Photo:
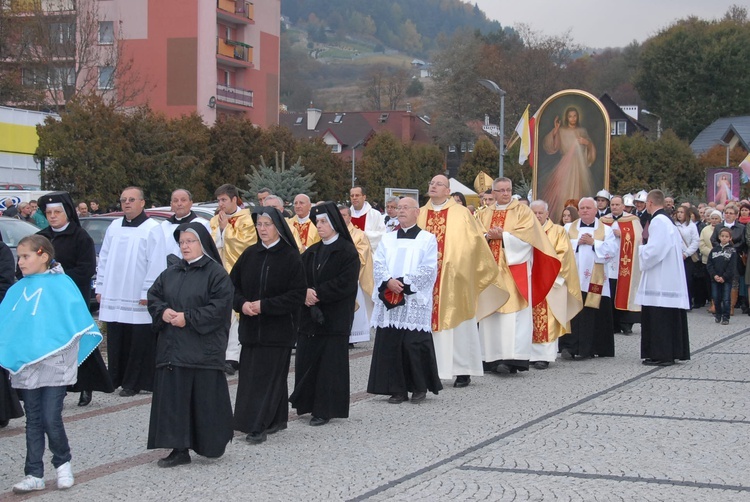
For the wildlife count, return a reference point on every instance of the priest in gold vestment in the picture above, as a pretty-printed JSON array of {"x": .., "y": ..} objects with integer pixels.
[
  {"x": 528, "y": 266},
  {"x": 466, "y": 288},
  {"x": 552, "y": 317},
  {"x": 301, "y": 222},
  {"x": 233, "y": 231}
]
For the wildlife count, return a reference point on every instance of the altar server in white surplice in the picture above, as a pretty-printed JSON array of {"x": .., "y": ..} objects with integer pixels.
[{"x": 131, "y": 258}]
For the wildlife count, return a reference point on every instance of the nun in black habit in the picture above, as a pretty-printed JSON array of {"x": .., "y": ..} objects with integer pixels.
[
  {"x": 269, "y": 292},
  {"x": 75, "y": 251},
  {"x": 191, "y": 303},
  {"x": 322, "y": 360}
]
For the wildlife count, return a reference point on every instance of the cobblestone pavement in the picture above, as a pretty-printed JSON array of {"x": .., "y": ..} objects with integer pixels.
[{"x": 602, "y": 429}]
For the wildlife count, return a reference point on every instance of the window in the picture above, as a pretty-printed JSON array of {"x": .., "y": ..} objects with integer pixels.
[
  {"x": 452, "y": 149},
  {"x": 618, "y": 128},
  {"x": 338, "y": 118},
  {"x": 299, "y": 121},
  {"x": 106, "y": 32},
  {"x": 336, "y": 148},
  {"x": 61, "y": 77},
  {"x": 106, "y": 77},
  {"x": 62, "y": 33},
  {"x": 30, "y": 77},
  {"x": 463, "y": 147}
]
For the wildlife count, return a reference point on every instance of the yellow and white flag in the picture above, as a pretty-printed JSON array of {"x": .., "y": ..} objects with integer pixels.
[{"x": 522, "y": 129}]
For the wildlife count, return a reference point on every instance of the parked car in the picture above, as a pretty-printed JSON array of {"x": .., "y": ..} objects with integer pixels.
[{"x": 13, "y": 230}]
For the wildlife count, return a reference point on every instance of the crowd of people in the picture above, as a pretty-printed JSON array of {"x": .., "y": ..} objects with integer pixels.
[{"x": 450, "y": 292}]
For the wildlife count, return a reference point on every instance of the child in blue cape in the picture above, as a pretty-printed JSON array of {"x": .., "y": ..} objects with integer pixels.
[{"x": 47, "y": 332}]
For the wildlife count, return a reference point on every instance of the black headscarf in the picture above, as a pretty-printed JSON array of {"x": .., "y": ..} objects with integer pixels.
[
  {"x": 207, "y": 242},
  {"x": 278, "y": 221},
  {"x": 60, "y": 197},
  {"x": 334, "y": 218}
]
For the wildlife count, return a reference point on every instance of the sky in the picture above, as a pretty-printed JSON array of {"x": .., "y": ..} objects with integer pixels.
[{"x": 603, "y": 23}]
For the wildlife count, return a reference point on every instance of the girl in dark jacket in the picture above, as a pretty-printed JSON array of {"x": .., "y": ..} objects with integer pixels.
[
  {"x": 322, "y": 363},
  {"x": 269, "y": 291},
  {"x": 191, "y": 303}
]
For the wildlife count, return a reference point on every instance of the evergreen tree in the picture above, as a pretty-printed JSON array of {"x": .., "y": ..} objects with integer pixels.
[{"x": 286, "y": 183}]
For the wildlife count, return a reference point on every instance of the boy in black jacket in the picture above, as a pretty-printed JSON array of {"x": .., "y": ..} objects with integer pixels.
[{"x": 722, "y": 267}]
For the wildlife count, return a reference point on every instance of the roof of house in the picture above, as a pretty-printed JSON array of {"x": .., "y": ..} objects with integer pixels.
[
  {"x": 352, "y": 127},
  {"x": 616, "y": 113},
  {"x": 723, "y": 129}
]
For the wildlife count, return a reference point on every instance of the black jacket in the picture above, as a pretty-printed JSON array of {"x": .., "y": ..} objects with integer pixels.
[
  {"x": 738, "y": 235},
  {"x": 275, "y": 277},
  {"x": 333, "y": 272},
  {"x": 7, "y": 269},
  {"x": 203, "y": 291},
  {"x": 722, "y": 262},
  {"x": 75, "y": 251}
]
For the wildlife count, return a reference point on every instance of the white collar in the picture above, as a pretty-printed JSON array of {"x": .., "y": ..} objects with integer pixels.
[
  {"x": 331, "y": 240},
  {"x": 502, "y": 206},
  {"x": 365, "y": 209},
  {"x": 303, "y": 220},
  {"x": 62, "y": 228},
  {"x": 272, "y": 244},
  {"x": 195, "y": 259},
  {"x": 438, "y": 207}
]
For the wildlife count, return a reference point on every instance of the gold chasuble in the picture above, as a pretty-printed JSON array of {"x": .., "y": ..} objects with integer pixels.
[
  {"x": 520, "y": 222},
  {"x": 239, "y": 234},
  {"x": 308, "y": 233},
  {"x": 628, "y": 272},
  {"x": 552, "y": 316},
  {"x": 366, "y": 278},
  {"x": 467, "y": 282}
]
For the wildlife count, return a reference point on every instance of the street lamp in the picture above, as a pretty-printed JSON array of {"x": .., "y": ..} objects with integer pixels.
[
  {"x": 727, "y": 146},
  {"x": 494, "y": 88},
  {"x": 658, "y": 122},
  {"x": 359, "y": 143}
]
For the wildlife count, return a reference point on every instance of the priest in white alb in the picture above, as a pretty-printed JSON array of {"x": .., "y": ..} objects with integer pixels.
[
  {"x": 364, "y": 305},
  {"x": 365, "y": 217},
  {"x": 594, "y": 245}
]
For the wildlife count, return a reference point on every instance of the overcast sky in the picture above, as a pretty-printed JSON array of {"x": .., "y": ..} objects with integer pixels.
[{"x": 603, "y": 23}]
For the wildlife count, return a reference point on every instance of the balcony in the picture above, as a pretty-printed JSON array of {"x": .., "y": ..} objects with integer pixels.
[
  {"x": 235, "y": 11},
  {"x": 35, "y": 6},
  {"x": 233, "y": 53},
  {"x": 233, "y": 96}
]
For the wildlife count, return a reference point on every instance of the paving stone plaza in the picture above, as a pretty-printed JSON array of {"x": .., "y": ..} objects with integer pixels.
[{"x": 602, "y": 429}]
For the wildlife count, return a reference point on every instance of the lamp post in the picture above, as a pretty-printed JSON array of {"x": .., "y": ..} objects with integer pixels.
[
  {"x": 494, "y": 88},
  {"x": 359, "y": 143},
  {"x": 658, "y": 122},
  {"x": 727, "y": 146}
]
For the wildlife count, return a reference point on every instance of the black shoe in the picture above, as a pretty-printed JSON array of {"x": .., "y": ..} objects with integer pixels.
[
  {"x": 567, "y": 355},
  {"x": 724, "y": 322},
  {"x": 462, "y": 381},
  {"x": 657, "y": 362},
  {"x": 128, "y": 393},
  {"x": 717, "y": 320},
  {"x": 316, "y": 421},
  {"x": 502, "y": 369},
  {"x": 177, "y": 457},
  {"x": 398, "y": 398},
  {"x": 276, "y": 428},
  {"x": 541, "y": 365},
  {"x": 229, "y": 369},
  {"x": 85, "y": 399},
  {"x": 627, "y": 331},
  {"x": 256, "y": 437},
  {"x": 4, "y": 423},
  {"x": 418, "y": 397}
]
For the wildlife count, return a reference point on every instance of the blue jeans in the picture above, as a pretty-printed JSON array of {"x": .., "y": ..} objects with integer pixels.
[
  {"x": 721, "y": 294},
  {"x": 44, "y": 416}
]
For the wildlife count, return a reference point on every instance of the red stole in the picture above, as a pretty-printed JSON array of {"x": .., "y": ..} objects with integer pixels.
[{"x": 359, "y": 221}]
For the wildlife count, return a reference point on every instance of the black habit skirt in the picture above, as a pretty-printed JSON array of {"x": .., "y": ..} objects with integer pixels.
[
  {"x": 321, "y": 376},
  {"x": 10, "y": 406},
  {"x": 131, "y": 353},
  {"x": 262, "y": 392},
  {"x": 403, "y": 360},
  {"x": 664, "y": 334},
  {"x": 591, "y": 331},
  {"x": 93, "y": 375},
  {"x": 620, "y": 317},
  {"x": 191, "y": 409}
]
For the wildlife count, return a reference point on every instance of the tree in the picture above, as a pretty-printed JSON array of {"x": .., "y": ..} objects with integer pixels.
[
  {"x": 483, "y": 158},
  {"x": 235, "y": 143},
  {"x": 62, "y": 48},
  {"x": 331, "y": 173},
  {"x": 693, "y": 72},
  {"x": 384, "y": 87},
  {"x": 283, "y": 182},
  {"x": 383, "y": 165}
]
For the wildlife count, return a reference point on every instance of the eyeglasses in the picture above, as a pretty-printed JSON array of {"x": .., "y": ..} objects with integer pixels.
[
  {"x": 188, "y": 242},
  {"x": 504, "y": 190},
  {"x": 438, "y": 183},
  {"x": 125, "y": 200}
]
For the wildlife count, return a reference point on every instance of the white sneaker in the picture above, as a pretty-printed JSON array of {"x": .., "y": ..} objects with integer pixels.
[
  {"x": 64, "y": 476},
  {"x": 29, "y": 484}
]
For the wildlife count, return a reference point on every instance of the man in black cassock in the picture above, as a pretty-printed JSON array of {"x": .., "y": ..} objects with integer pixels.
[
  {"x": 321, "y": 378},
  {"x": 403, "y": 359}
]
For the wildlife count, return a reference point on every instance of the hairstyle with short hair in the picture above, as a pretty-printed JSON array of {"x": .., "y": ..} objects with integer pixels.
[
  {"x": 39, "y": 244},
  {"x": 725, "y": 230},
  {"x": 190, "y": 196},
  {"x": 364, "y": 192},
  {"x": 488, "y": 191},
  {"x": 94, "y": 201},
  {"x": 228, "y": 190},
  {"x": 392, "y": 198},
  {"x": 344, "y": 207},
  {"x": 617, "y": 197},
  {"x": 140, "y": 191},
  {"x": 540, "y": 202},
  {"x": 656, "y": 197},
  {"x": 33, "y": 201},
  {"x": 502, "y": 179},
  {"x": 272, "y": 198},
  {"x": 265, "y": 190},
  {"x": 586, "y": 198}
]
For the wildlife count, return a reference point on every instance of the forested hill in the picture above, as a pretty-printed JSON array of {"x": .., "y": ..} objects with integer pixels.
[{"x": 409, "y": 25}]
